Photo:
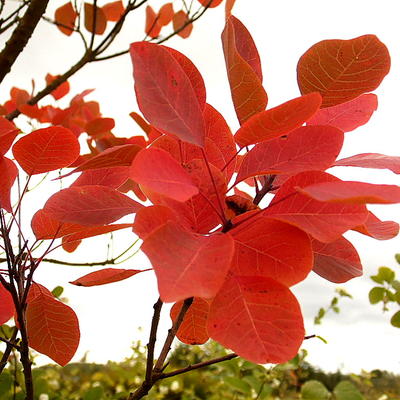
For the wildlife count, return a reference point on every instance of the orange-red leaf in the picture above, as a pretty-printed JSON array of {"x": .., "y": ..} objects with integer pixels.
[
  {"x": 113, "y": 177},
  {"x": 6, "y": 305},
  {"x": 279, "y": 120},
  {"x": 228, "y": 8},
  {"x": 371, "y": 160},
  {"x": 53, "y": 328},
  {"x": 65, "y": 17},
  {"x": 8, "y": 132},
  {"x": 273, "y": 249},
  {"x": 244, "y": 70},
  {"x": 153, "y": 27},
  {"x": 210, "y": 3},
  {"x": 93, "y": 231},
  {"x": 325, "y": 222},
  {"x": 380, "y": 230},
  {"x": 95, "y": 19},
  {"x": 306, "y": 148},
  {"x": 98, "y": 126},
  {"x": 61, "y": 90},
  {"x": 90, "y": 205},
  {"x": 114, "y": 10},
  {"x": 157, "y": 170},
  {"x": 188, "y": 264},
  {"x": 165, "y": 14},
  {"x": 341, "y": 70},
  {"x": 166, "y": 93},
  {"x": 337, "y": 261},
  {"x": 353, "y": 192},
  {"x": 46, "y": 149},
  {"x": 70, "y": 247},
  {"x": 179, "y": 20},
  {"x": 258, "y": 318},
  {"x": 104, "y": 276},
  {"x": 347, "y": 116},
  {"x": 193, "y": 329},
  {"x": 8, "y": 174}
]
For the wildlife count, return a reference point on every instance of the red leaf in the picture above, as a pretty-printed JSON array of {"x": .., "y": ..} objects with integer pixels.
[
  {"x": 112, "y": 177},
  {"x": 244, "y": 70},
  {"x": 70, "y": 247},
  {"x": 371, "y": 160},
  {"x": 8, "y": 132},
  {"x": 153, "y": 28},
  {"x": 179, "y": 19},
  {"x": 46, "y": 150},
  {"x": 228, "y": 8},
  {"x": 165, "y": 93},
  {"x": 200, "y": 268},
  {"x": 113, "y": 11},
  {"x": 6, "y": 305},
  {"x": 279, "y": 120},
  {"x": 347, "y": 116},
  {"x": 258, "y": 318},
  {"x": 341, "y": 70},
  {"x": 104, "y": 276},
  {"x": 326, "y": 222},
  {"x": 94, "y": 25},
  {"x": 210, "y": 3},
  {"x": 141, "y": 122},
  {"x": 93, "y": 231},
  {"x": 61, "y": 90},
  {"x": 99, "y": 126},
  {"x": 273, "y": 249},
  {"x": 307, "y": 148},
  {"x": 337, "y": 261},
  {"x": 380, "y": 230},
  {"x": 193, "y": 329},
  {"x": 8, "y": 174},
  {"x": 65, "y": 17},
  {"x": 165, "y": 14},
  {"x": 90, "y": 205},
  {"x": 158, "y": 171},
  {"x": 353, "y": 192}
]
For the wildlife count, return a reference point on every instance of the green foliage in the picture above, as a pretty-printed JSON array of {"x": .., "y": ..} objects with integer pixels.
[
  {"x": 333, "y": 306},
  {"x": 345, "y": 390},
  {"x": 314, "y": 390}
]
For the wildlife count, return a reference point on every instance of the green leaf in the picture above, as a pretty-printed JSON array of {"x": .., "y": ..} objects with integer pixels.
[
  {"x": 94, "y": 393},
  {"x": 376, "y": 294},
  {"x": 395, "y": 320},
  {"x": 314, "y": 390},
  {"x": 336, "y": 309},
  {"x": 237, "y": 384},
  {"x": 396, "y": 285},
  {"x": 343, "y": 293},
  {"x": 334, "y": 301},
  {"x": 397, "y": 257},
  {"x": 386, "y": 274},
  {"x": 376, "y": 279},
  {"x": 397, "y": 296},
  {"x": 6, "y": 381},
  {"x": 322, "y": 339},
  {"x": 345, "y": 390},
  {"x": 57, "y": 291}
]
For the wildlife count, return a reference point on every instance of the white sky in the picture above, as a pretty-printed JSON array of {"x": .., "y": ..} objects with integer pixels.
[{"x": 360, "y": 337}]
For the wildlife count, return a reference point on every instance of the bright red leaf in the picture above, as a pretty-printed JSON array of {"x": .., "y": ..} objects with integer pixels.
[
  {"x": 306, "y": 148},
  {"x": 200, "y": 268},
  {"x": 166, "y": 96},
  {"x": 273, "y": 249},
  {"x": 95, "y": 19},
  {"x": 157, "y": 170},
  {"x": 90, "y": 205},
  {"x": 104, "y": 276},
  {"x": 65, "y": 17},
  {"x": 94, "y": 231},
  {"x": 8, "y": 174},
  {"x": 193, "y": 329},
  {"x": 114, "y": 10},
  {"x": 347, "y": 116},
  {"x": 53, "y": 328},
  {"x": 165, "y": 14},
  {"x": 278, "y": 121},
  {"x": 112, "y": 177},
  {"x": 337, "y": 261},
  {"x": 258, "y": 318},
  {"x": 380, "y": 230},
  {"x": 244, "y": 70},
  {"x": 342, "y": 70},
  {"x": 152, "y": 28},
  {"x": 353, "y": 192},
  {"x": 324, "y": 221},
  {"x": 8, "y": 132},
  {"x": 61, "y": 90},
  {"x": 99, "y": 126},
  {"x": 179, "y": 20},
  {"x": 46, "y": 150},
  {"x": 371, "y": 160},
  {"x": 6, "y": 305}
]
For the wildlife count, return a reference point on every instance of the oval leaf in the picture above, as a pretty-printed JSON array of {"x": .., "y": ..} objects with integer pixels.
[
  {"x": 180, "y": 24},
  {"x": 153, "y": 27},
  {"x": 371, "y": 160},
  {"x": 113, "y": 11},
  {"x": 65, "y": 17},
  {"x": 95, "y": 19},
  {"x": 8, "y": 132},
  {"x": 380, "y": 230},
  {"x": 8, "y": 174}
]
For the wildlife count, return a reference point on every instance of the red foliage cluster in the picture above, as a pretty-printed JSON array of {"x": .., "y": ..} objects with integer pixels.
[{"x": 235, "y": 254}]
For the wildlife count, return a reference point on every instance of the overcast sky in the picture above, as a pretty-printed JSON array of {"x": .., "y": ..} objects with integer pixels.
[{"x": 360, "y": 337}]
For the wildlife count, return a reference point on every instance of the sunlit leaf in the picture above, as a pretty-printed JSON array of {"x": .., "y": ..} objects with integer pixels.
[
  {"x": 152, "y": 28},
  {"x": 113, "y": 177},
  {"x": 61, "y": 90},
  {"x": 372, "y": 160},
  {"x": 99, "y": 126},
  {"x": 113, "y": 11},
  {"x": 65, "y": 17},
  {"x": 8, "y": 174},
  {"x": 380, "y": 230},
  {"x": 8, "y": 132},
  {"x": 165, "y": 14},
  {"x": 179, "y": 20},
  {"x": 6, "y": 305}
]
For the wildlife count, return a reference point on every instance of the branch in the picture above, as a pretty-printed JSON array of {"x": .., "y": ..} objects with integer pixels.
[
  {"x": 21, "y": 35},
  {"x": 7, "y": 351}
]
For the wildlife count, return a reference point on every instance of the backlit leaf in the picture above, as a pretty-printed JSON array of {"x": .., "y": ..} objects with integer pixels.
[
  {"x": 278, "y": 121},
  {"x": 353, "y": 192},
  {"x": 104, "y": 276},
  {"x": 244, "y": 70},
  {"x": 179, "y": 20},
  {"x": 165, "y": 14},
  {"x": 324, "y": 221},
  {"x": 90, "y": 205},
  {"x": 8, "y": 132},
  {"x": 200, "y": 268},
  {"x": 95, "y": 19},
  {"x": 380, "y": 230},
  {"x": 372, "y": 160},
  {"x": 165, "y": 93},
  {"x": 8, "y": 174},
  {"x": 65, "y": 17},
  {"x": 347, "y": 116},
  {"x": 61, "y": 91},
  {"x": 337, "y": 261},
  {"x": 258, "y": 318},
  {"x": 306, "y": 148},
  {"x": 46, "y": 150},
  {"x": 113, "y": 177},
  {"x": 6, "y": 305},
  {"x": 99, "y": 126},
  {"x": 152, "y": 28},
  {"x": 70, "y": 247},
  {"x": 342, "y": 70},
  {"x": 157, "y": 170},
  {"x": 53, "y": 328},
  {"x": 193, "y": 329},
  {"x": 273, "y": 249},
  {"x": 114, "y": 10}
]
